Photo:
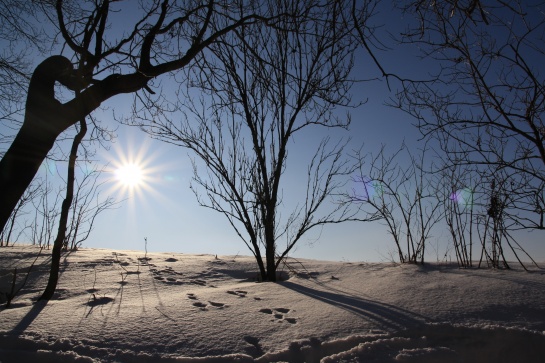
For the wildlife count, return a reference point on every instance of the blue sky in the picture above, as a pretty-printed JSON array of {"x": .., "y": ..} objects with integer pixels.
[{"x": 164, "y": 210}]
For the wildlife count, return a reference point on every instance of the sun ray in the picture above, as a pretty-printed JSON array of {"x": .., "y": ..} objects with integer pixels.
[{"x": 139, "y": 174}]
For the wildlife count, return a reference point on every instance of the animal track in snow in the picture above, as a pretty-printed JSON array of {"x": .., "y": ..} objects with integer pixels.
[
  {"x": 203, "y": 306},
  {"x": 239, "y": 293},
  {"x": 200, "y": 305},
  {"x": 166, "y": 275},
  {"x": 198, "y": 282},
  {"x": 279, "y": 315},
  {"x": 217, "y": 304}
]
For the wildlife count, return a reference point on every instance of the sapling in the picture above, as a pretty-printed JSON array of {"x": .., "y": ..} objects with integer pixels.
[{"x": 13, "y": 292}]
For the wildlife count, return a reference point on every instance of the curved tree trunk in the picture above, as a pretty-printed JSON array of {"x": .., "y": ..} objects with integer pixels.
[
  {"x": 43, "y": 123},
  {"x": 46, "y": 118}
]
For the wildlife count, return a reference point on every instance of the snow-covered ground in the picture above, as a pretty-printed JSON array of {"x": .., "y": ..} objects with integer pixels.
[{"x": 115, "y": 306}]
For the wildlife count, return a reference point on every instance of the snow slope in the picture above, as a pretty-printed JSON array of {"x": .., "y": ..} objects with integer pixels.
[{"x": 117, "y": 306}]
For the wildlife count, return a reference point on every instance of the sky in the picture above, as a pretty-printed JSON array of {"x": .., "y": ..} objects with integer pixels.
[
  {"x": 165, "y": 211},
  {"x": 161, "y": 213}
]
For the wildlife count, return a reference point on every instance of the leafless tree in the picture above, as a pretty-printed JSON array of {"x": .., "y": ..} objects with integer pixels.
[
  {"x": 477, "y": 213},
  {"x": 87, "y": 205},
  {"x": 38, "y": 218},
  {"x": 164, "y": 37},
  {"x": 20, "y": 36},
  {"x": 396, "y": 190},
  {"x": 46, "y": 212},
  {"x": 485, "y": 105},
  {"x": 459, "y": 191},
  {"x": 64, "y": 215},
  {"x": 260, "y": 90}
]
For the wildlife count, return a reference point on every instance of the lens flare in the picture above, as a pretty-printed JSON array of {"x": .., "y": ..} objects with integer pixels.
[
  {"x": 463, "y": 197},
  {"x": 367, "y": 188}
]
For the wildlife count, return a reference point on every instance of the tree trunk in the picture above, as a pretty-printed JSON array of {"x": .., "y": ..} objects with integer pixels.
[
  {"x": 261, "y": 265},
  {"x": 19, "y": 166},
  {"x": 270, "y": 252},
  {"x": 63, "y": 221},
  {"x": 42, "y": 124},
  {"x": 271, "y": 264}
]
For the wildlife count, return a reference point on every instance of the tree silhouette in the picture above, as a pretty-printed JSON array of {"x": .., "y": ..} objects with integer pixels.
[
  {"x": 484, "y": 106},
  {"x": 166, "y": 37},
  {"x": 40, "y": 129},
  {"x": 266, "y": 87}
]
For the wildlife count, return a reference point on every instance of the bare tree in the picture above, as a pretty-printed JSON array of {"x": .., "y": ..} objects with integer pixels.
[
  {"x": 166, "y": 37},
  {"x": 485, "y": 105},
  {"x": 478, "y": 214},
  {"x": 20, "y": 37},
  {"x": 87, "y": 205},
  {"x": 402, "y": 197},
  {"x": 64, "y": 215},
  {"x": 46, "y": 212},
  {"x": 262, "y": 88},
  {"x": 458, "y": 189}
]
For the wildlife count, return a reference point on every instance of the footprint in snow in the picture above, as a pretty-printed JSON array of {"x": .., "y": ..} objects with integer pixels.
[
  {"x": 198, "y": 282},
  {"x": 279, "y": 315},
  {"x": 218, "y": 304},
  {"x": 166, "y": 275},
  {"x": 239, "y": 293},
  {"x": 200, "y": 305},
  {"x": 203, "y": 306}
]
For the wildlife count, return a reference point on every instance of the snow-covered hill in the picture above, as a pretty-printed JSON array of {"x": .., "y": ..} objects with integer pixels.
[{"x": 117, "y": 306}]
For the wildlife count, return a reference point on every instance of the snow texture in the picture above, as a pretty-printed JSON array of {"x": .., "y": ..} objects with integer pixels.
[{"x": 127, "y": 306}]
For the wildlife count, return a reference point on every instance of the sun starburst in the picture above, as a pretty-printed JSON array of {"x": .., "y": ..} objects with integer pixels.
[{"x": 130, "y": 175}]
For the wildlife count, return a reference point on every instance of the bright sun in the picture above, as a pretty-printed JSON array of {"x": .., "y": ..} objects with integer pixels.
[{"x": 129, "y": 175}]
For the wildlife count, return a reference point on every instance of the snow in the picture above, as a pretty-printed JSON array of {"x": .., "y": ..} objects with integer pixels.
[{"x": 117, "y": 306}]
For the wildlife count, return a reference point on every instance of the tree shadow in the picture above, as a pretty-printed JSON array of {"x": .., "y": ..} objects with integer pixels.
[
  {"x": 386, "y": 316},
  {"x": 29, "y": 317}
]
